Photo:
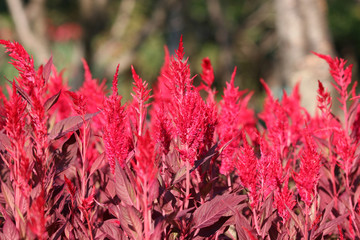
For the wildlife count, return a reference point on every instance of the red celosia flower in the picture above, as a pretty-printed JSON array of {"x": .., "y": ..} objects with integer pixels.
[
  {"x": 207, "y": 76},
  {"x": 161, "y": 129},
  {"x": 186, "y": 108},
  {"x": 70, "y": 186},
  {"x": 246, "y": 167},
  {"x": 115, "y": 135},
  {"x": 22, "y": 62},
  {"x": 307, "y": 178},
  {"x": 33, "y": 84},
  {"x": 141, "y": 96},
  {"x": 178, "y": 75},
  {"x": 190, "y": 125},
  {"x": 210, "y": 123},
  {"x": 324, "y": 101},
  {"x": 233, "y": 116},
  {"x": 94, "y": 92},
  {"x": 356, "y": 126},
  {"x": 283, "y": 199},
  {"x": 79, "y": 103},
  {"x": 270, "y": 169},
  {"x": 15, "y": 117},
  {"x": 36, "y": 218},
  {"x": 15, "y": 130},
  {"x": 345, "y": 150},
  {"x": 87, "y": 203},
  {"x": 284, "y": 120},
  {"x": 145, "y": 156},
  {"x": 341, "y": 76},
  {"x": 207, "y": 73}
]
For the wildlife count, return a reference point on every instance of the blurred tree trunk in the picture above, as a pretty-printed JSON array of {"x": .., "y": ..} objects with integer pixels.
[
  {"x": 30, "y": 26},
  {"x": 302, "y": 27},
  {"x": 107, "y": 53},
  {"x": 93, "y": 20}
]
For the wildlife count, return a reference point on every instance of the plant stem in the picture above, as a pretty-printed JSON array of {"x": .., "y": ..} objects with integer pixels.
[
  {"x": 89, "y": 226},
  {"x": 198, "y": 185},
  {"x": 229, "y": 182},
  {"x": 350, "y": 201},
  {"x": 145, "y": 212},
  {"x": 187, "y": 191},
  {"x": 256, "y": 221},
  {"x": 306, "y": 221},
  {"x": 332, "y": 169}
]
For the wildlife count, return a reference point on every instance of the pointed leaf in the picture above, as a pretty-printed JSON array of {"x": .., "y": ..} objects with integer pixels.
[
  {"x": 8, "y": 195},
  {"x": 211, "y": 153},
  {"x": 156, "y": 235},
  {"x": 243, "y": 228},
  {"x": 111, "y": 229},
  {"x": 59, "y": 232},
  {"x": 211, "y": 230},
  {"x": 180, "y": 175},
  {"x": 130, "y": 221},
  {"x": 97, "y": 163},
  {"x": 47, "y": 69},
  {"x": 327, "y": 212},
  {"x": 69, "y": 124},
  {"x": 23, "y": 94},
  {"x": 123, "y": 188},
  {"x": 182, "y": 213},
  {"x": 298, "y": 223},
  {"x": 210, "y": 212},
  {"x": 51, "y": 101},
  {"x": 328, "y": 227},
  {"x": 10, "y": 230}
]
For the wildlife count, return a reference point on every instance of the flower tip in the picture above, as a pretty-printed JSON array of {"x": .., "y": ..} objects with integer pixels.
[{"x": 233, "y": 76}]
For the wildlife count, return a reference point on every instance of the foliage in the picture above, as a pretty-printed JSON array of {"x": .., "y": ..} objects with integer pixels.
[{"x": 82, "y": 165}]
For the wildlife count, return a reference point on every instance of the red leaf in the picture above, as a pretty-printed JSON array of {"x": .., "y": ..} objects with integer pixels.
[
  {"x": 22, "y": 93},
  {"x": 298, "y": 223},
  {"x": 329, "y": 227},
  {"x": 130, "y": 221},
  {"x": 10, "y": 230},
  {"x": 97, "y": 163},
  {"x": 69, "y": 124},
  {"x": 51, "y": 101},
  {"x": 47, "y": 69},
  {"x": 8, "y": 195},
  {"x": 210, "y": 212},
  {"x": 123, "y": 188},
  {"x": 111, "y": 229},
  {"x": 157, "y": 231}
]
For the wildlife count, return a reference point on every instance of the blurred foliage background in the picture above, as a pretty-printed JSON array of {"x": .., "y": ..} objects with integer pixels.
[{"x": 248, "y": 34}]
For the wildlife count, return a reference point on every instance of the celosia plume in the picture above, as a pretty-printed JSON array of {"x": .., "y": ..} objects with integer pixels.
[
  {"x": 307, "y": 178},
  {"x": 141, "y": 96},
  {"x": 246, "y": 167},
  {"x": 115, "y": 132},
  {"x": 161, "y": 129},
  {"x": 146, "y": 159},
  {"x": 233, "y": 117},
  {"x": 341, "y": 75}
]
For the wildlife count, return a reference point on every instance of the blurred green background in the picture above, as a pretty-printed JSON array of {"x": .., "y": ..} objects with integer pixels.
[{"x": 240, "y": 33}]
